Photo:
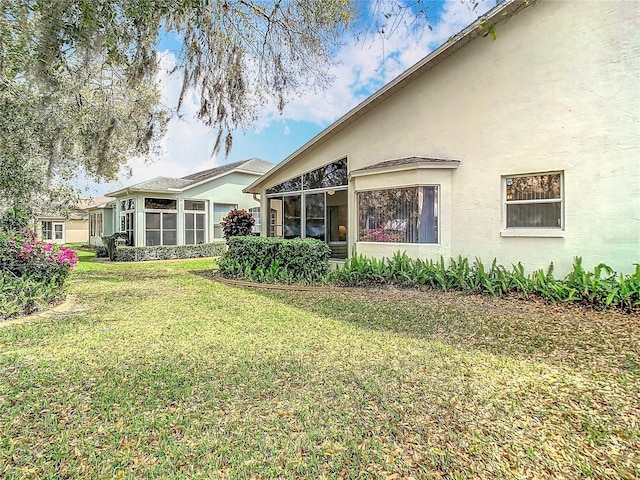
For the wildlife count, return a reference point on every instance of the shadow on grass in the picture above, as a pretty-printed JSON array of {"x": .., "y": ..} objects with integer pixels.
[{"x": 527, "y": 329}]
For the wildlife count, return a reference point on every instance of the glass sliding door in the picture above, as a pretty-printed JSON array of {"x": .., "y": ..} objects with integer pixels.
[
  {"x": 220, "y": 210},
  {"x": 311, "y": 205},
  {"x": 275, "y": 217},
  {"x": 292, "y": 210},
  {"x": 315, "y": 216},
  {"x": 337, "y": 221}
]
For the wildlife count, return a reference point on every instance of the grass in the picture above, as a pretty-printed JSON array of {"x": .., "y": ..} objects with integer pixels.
[{"x": 166, "y": 374}]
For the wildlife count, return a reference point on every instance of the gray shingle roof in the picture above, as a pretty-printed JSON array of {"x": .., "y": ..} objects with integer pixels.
[
  {"x": 253, "y": 165},
  {"x": 400, "y": 162},
  {"x": 160, "y": 184}
]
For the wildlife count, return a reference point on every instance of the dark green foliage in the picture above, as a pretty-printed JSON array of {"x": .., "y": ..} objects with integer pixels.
[
  {"x": 24, "y": 294},
  {"x": 276, "y": 260},
  {"x": 602, "y": 287},
  {"x": 168, "y": 252},
  {"x": 237, "y": 223},
  {"x": 15, "y": 220}
]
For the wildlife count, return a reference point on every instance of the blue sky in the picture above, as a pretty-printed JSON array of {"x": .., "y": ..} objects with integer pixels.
[{"x": 361, "y": 69}]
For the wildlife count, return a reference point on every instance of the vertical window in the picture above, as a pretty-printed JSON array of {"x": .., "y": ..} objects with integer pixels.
[
  {"x": 314, "y": 216},
  {"x": 47, "y": 231},
  {"x": 194, "y": 222},
  {"x": 275, "y": 217},
  {"x": 127, "y": 219},
  {"x": 399, "y": 215},
  {"x": 534, "y": 201},
  {"x": 161, "y": 221},
  {"x": 292, "y": 208},
  {"x": 58, "y": 231},
  {"x": 255, "y": 213},
  {"x": 95, "y": 224},
  {"x": 220, "y": 210}
]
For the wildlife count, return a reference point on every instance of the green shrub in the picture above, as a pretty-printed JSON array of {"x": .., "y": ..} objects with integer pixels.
[
  {"x": 276, "y": 259},
  {"x": 102, "y": 251},
  {"x": 168, "y": 252},
  {"x": 33, "y": 273}
]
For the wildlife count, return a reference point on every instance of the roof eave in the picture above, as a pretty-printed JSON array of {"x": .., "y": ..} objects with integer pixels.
[{"x": 449, "y": 165}]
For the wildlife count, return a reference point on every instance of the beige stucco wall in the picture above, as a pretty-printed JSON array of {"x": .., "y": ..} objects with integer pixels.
[
  {"x": 76, "y": 231},
  {"x": 557, "y": 91}
]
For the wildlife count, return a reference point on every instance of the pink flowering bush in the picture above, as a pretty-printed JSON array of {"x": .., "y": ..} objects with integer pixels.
[
  {"x": 382, "y": 234},
  {"x": 237, "y": 223},
  {"x": 33, "y": 273}
]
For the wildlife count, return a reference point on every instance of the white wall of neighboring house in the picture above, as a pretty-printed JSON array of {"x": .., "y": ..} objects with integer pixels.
[{"x": 558, "y": 91}]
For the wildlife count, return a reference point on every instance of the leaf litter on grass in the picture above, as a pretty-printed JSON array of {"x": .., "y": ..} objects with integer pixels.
[{"x": 186, "y": 378}]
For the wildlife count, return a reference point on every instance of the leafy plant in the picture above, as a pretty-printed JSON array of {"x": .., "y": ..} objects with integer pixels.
[
  {"x": 15, "y": 220},
  {"x": 33, "y": 273},
  {"x": 167, "y": 252},
  {"x": 296, "y": 260},
  {"x": 603, "y": 287},
  {"x": 237, "y": 223}
]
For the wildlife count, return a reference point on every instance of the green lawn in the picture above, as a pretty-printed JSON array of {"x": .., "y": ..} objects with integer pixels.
[{"x": 163, "y": 373}]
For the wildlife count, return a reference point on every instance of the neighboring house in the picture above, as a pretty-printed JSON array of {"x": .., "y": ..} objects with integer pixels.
[
  {"x": 525, "y": 149},
  {"x": 74, "y": 228},
  {"x": 101, "y": 223},
  {"x": 187, "y": 210}
]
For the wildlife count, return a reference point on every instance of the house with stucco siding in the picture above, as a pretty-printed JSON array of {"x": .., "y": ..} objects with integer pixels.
[
  {"x": 525, "y": 148},
  {"x": 54, "y": 227},
  {"x": 182, "y": 211}
]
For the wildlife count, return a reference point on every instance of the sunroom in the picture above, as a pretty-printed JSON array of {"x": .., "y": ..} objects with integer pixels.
[{"x": 312, "y": 205}]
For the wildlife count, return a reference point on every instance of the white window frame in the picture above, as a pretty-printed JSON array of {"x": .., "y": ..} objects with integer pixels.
[
  {"x": 438, "y": 212},
  {"x": 95, "y": 224},
  {"x": 255, "y": 213},
  {"x": 131, "y": 214},
  {"x": 161, "y": 211},
  {"x": 50, "y": 235},
  {"x": 186, "y": 212},
  {"x": 216, "y": 223},
  {"x": 546, "y": 231}
]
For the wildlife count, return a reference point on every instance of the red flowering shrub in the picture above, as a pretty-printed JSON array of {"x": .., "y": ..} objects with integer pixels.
[
  {"x": 33, "y": 273},
  {"x": 237, "y": 223}
]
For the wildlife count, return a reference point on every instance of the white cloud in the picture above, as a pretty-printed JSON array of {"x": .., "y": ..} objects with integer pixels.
[{"x": 365, "y": 67}]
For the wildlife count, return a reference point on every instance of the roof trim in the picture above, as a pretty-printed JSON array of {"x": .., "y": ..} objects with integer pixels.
[
  {"x": 177, "y": 190},
  {"x": 478, "y": 28},
  {"x": 409, "y": 163}
]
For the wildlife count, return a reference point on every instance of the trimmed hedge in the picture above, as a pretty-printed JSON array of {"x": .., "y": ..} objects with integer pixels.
[
  {"x": 276, "y": 259},
  {"x": 168, "y": 252}
]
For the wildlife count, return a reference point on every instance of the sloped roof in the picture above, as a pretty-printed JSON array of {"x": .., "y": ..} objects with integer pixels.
[
  {"x": 408, "y": 162},
  {"x": 255, "y": 166},
  {"x": 79, "y": 210},
  {"x": 478, "y": 28}
]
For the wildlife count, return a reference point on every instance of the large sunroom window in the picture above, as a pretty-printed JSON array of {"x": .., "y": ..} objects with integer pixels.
[
  {"x": 95, "y": 224},
  {"x": 399, "y": 215},
  {"x": 161, "y": 221},
  {"x": 195, "y": 222},
  {"x": 534, "y": 201}
]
